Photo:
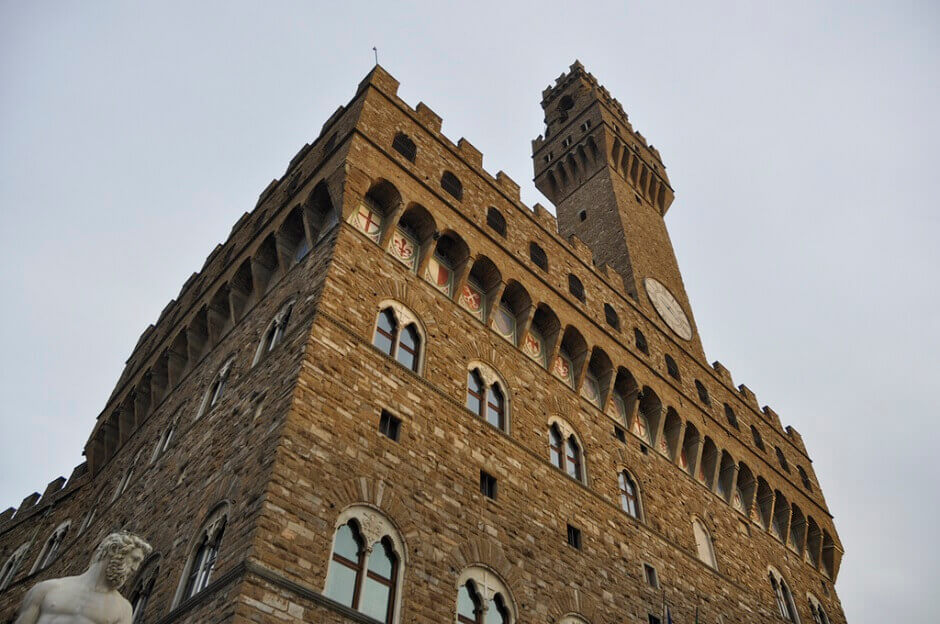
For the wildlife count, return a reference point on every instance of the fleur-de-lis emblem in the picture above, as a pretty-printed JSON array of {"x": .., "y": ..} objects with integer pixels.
[
  {"x": 471, "y": 298},
  {"x": 404, "y": 248}
]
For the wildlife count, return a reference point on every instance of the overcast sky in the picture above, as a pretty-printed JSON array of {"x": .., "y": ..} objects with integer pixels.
[{"x": 801, "y": 139}]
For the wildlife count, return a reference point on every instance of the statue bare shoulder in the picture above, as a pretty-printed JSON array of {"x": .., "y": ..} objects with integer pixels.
[{"x": 91, "y": 597}]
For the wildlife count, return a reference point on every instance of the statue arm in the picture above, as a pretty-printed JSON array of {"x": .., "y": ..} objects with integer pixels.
[{"x": 30, "y": 610}]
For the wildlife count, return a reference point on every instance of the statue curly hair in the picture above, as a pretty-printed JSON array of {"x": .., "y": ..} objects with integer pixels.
[{"x": 114, "y": 549}]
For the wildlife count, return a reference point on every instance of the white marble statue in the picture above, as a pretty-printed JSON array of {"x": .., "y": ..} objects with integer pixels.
[{"x": 91, "y": 597}]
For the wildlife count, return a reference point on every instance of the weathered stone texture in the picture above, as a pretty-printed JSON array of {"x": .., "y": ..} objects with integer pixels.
[{"x": 294, "y": 439}]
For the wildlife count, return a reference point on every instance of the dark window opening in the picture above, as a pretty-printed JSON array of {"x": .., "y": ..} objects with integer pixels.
[
  {"x": 758, "y": 441},
  {"x": 702, "y": 393},
  {"x": 538, "y": 257},
  {"x": 452, "y": 185},
  {"x": 582, "y": 215},
  {"x": 805, "y": 478},
  {"x": 650, "y": 572},
  {"x": 619, "y": 434},
  {"x": 496, "y": 220},
  {"x": 731, "y": 417},
  {"x": 574, "y": 537},
  {"x": 611, "y": 316},
  {"x": 641, "y": 343},
  {"x": 405, "y": 146},
  {"x": 487, "y": 485},
  {"x": 672, "y": 368},
  {"x": 575, "y": 287},
  {"x": 389, "y": 426}
]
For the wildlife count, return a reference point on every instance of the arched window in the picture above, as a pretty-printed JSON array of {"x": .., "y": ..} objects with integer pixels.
[
  {"x": 408, "y": 344},
  {"x": 819, "y": 615},
  {"x": 783, "y": 597},
  {"x": 758, "y": 441},
  {"x": 486, "y": 397},
  {"x": 216, "y": 390},
  {"x": 610, "y": 315},
  {"x": 128, "y": 477},
  {"x": 275, "y": 332},
  {"x": 495, "y": 407},
  {"x": 397, "y": 335},
  {"x": 672, "y": 368},
  {"x": 482, "y": 598},
  {"x": 731, "y": 417},
  {"x": 51, "y": 547},
  {"x": 142, "y": 588},
  {"x": 575, "y": 287},
  {"x": 555, "y": 442},
  {"x": 364, "y": 572},
  {"x": 90, "y": 514},
  {"x": 474, "y": 392},
  {"x": 405, "y": 146},
  {"x": 166, "y": 438},
  {"x": 782, "y": 459},
  {"x": 640, "y": 341},
  {"x": 452, "y": 185},
  {"x": 702, "y": 392},
  {"x": 573, "y": 459},
  {"x": 538, "y": 257},
  {"x": 203, "y": 559},
  {"x": 565, "y": 451},
  {"x": 629, "y": 496},
  {"x": 703, "y": 544},
  {"x": 386, "y": 332},
  {"x": 496, "y": 220},
  {"x": 11, "y": 565}
]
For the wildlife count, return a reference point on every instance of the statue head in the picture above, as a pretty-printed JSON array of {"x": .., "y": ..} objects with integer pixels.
[{"x": 122, "y": 553}]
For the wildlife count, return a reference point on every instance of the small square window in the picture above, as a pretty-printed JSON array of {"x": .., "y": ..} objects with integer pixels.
[
  {"x": 487, "y": 485},
  {"x": 619, "y": 434},
  {"x": 650, "y": 573},
  {"x": 654, "y": 619},
  {"x": 644, "y": 449},
  {"x": 389, "y": 426},
  {"x": 574, "y": 537}
]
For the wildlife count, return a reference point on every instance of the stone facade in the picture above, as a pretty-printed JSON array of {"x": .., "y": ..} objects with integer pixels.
[{"x": 210, "y": 420}]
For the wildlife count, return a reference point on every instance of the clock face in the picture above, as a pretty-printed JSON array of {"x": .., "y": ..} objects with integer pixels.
[{"x": 668, "y": 308}]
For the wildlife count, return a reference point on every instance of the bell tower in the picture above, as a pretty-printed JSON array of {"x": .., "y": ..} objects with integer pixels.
[{"x": 610, "y": 189}]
